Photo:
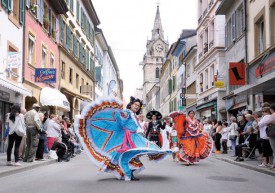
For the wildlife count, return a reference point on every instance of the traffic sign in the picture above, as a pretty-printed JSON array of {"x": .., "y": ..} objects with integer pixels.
[{"x": 190, "y": 96}]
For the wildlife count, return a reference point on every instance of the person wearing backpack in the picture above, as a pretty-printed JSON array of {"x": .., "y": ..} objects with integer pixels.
[{"x": 16, "y": 132}]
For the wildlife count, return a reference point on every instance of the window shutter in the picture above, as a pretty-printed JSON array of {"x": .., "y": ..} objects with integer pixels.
[
  {"x": 82, "y": 18},
  {"x": 50, "y": 21},
  {"x": 87, "y": 60},
  {"x": 9, "y": 5},
  {"x": 91, "y": 35},
  {"x": 75, "y": 46},
  {"x": 87, "y": 26},
  {"x": 170, "y": 86},
  {"x": 56, "y": 30},
  {"x": 233, "y": 22},
  {"x": 5, "y": 4},
  {"x": 226, "y": 43},
  {"x": 77, "y": 11},
  {"x": 72, "y": 5},
  {"x": 68, "y": 40},
  {"x": 61, "y": 31},
  {"x": 28, "y": 3},
  {"x": 80, "y": 52},
  {"x": 22, "y": 12},
  {"x": 40, "y": 11}
]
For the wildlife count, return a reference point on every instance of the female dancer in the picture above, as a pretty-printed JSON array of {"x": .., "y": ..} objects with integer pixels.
[
  {"x": 194, "y": 144},
  {"x": 111, "y": 139}
]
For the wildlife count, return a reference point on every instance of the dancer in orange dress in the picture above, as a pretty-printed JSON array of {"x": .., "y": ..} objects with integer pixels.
[{"x": 194, "y": 144}]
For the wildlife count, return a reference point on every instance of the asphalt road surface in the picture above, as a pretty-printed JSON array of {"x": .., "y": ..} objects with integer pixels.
[{"x": 80, "y": 176}]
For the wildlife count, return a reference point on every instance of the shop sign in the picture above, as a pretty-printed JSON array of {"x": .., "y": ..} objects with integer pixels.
[
  {"x": 45, "y": 75},
  {"x": 237, "y": 73},
  {"x": 219, "y": 81},
  {"x": 266, "y": 66},
  {"x": 5, "y": 96},
  {"x": 14, "y": 59},
  {"x": 240, "y": 99}
]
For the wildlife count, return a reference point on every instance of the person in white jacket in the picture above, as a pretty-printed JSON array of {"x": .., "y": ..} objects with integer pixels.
[{"x": 16, "y": 120}]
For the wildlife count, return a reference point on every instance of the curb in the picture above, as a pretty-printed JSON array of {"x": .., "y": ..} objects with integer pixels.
[
  {"x": 25, "y": 168},
  {"x": 247, "y": 166}
]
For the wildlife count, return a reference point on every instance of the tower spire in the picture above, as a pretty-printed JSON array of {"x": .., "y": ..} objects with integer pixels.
[{"x": 157, "y": 31}]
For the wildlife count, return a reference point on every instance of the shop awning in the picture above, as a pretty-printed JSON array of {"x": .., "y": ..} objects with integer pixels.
[
  {"x": 203, "y": 106},
  {"x": 15, "y": 87},
  {"x": 53, "y": 97}
]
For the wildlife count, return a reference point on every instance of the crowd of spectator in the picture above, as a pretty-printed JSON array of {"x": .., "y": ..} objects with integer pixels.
[{"x": 32, "y": 134}]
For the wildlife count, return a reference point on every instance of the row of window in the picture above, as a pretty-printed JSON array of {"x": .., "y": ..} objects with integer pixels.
[
  {"x": 207, "y": 79},
  {"x": 15, "y": 8},
  {"x": 71, "y": 42},
  {"x": 98, "y": 55},
  {"x": 206, "y": 40},
  {"x": 45, "y": 53}
]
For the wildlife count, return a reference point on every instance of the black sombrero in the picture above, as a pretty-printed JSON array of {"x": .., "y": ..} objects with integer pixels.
[{"x": 153, "y": 112}]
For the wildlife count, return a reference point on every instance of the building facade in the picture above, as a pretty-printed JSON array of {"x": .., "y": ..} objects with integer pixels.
[
  {"x": 156, "y": 50},
  {"x": 210, "y": 57},
  {"x": 235, "y": 54},
  {"x": 77, "y": 66},
  {"x": 260, "y": 66},
  {"x": 12, "y": 17}
]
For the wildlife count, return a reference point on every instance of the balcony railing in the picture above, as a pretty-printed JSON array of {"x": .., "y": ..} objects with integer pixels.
[
  {"x": 200, "y": 19},
  {"x": 210, "y": 4},
  {"x": 205, "y": 12}
]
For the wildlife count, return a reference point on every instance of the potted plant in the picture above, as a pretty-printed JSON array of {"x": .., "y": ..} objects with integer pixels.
[
  {"x": 46, "y": 22},
  {"x": 33, "y": 8}
]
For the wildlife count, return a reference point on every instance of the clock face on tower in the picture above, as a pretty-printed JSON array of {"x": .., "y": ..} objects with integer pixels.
[{"x": 159, "y": 48}]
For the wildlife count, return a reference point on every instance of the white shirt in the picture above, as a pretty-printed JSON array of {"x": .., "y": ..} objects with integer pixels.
[
  {"x": 14, "y": 125},
  {"x": 174, "y": 133},
  {"x": 225, "y": 133},
  {"x": 206, "y": 128},
  {"x": 262, "y": 125},
  {"x": 141, "y": 129},
  {"x": 53, "y": 129},
  {"x": 233, "y": 128}
]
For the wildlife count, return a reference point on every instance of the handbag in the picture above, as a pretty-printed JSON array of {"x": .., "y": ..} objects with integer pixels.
[
  {"x": 270, "y": 130},
  {"x": 21, "y": 128},
  {"x": 233, "y": 136}
]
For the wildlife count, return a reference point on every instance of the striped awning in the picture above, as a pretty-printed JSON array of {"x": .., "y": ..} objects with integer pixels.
[{"x": 15, "y": 87}]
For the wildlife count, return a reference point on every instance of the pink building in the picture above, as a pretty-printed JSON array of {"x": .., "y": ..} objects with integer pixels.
[{"x": 41, "y": 43}]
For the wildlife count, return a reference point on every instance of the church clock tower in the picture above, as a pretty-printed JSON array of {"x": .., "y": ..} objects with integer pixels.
[{"x": 156, "y": 50}]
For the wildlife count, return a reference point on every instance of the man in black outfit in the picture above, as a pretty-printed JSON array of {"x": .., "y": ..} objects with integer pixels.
[
  {"x": 250, "y": 142},
  {"x": 154, "y": 126}
]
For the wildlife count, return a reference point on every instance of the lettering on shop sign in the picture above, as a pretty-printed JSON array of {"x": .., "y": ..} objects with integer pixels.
[
  {"x": 45, "y": 75},
  {"x": 4, "y": 95},
  {"x": 265, "y": 67}
]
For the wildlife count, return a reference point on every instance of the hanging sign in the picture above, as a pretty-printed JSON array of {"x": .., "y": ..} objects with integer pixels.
[
  {"x": 45, "y": 75},
  {"x": 14, "y": 60},
  {"x": 219, "y": 81}
]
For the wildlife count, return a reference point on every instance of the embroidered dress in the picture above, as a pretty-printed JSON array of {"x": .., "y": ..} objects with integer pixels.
[
  {"x": 111, "y": 139},
  {"x": 194, "y": 144}
]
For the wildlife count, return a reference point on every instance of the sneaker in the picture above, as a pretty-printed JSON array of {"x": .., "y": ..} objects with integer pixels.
[
  {"x": 17, "y": 164},
  {"x": 10, "y": 163},
  {"x": 262, "y": 165}
]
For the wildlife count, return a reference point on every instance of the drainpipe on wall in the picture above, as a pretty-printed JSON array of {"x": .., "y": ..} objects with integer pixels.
[
  {"x": 246, "y": 52},
  {"x": 23, "y": 48}
]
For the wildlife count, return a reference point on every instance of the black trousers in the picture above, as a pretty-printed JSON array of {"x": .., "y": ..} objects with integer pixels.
[
  {"x": 239, "y": 151},
  {"x": 14, "y": 138},
  {"x": 40, "y": 149},
  {"x": 60, "y": 149},
  {"x": 218, "y": 141},
  {"x": 224, "y": 145},
  {"x": 155, "y": 139}
]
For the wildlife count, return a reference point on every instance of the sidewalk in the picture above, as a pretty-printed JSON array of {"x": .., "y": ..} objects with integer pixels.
[
  {"x": 9, "y": 170},
  {"x": 249, "y": 164}
]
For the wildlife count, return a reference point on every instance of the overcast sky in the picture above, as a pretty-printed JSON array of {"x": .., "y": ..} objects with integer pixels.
[{"x": 127, "y": 24}]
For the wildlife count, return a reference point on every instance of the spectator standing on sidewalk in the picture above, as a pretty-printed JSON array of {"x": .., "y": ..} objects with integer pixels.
[
  {"x": 271, "y": 124},
  {"x": 22, "y": 147},
  {"x": 267, "y": 150},
  {"x": 213, "y": 131},
  {"x": 40, "y": 148},
  {"x": 33, "y": 124},
  {"x": 249, "y": 122},
  {"x": 16, "y": 123},
  {"x": 241, "y": 125},
  {"x": 218, "y": 137},
  {"x": 256, "y": 130},
  {"x": 53, "y": 130},
  {"x": 233, "y": 134},
  {"x": 225, "y": 130}
]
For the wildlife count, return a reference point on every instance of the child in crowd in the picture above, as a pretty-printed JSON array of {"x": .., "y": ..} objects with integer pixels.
[
  {"x": 225, "y": 131},
  {"x": 175, "y": 149}
]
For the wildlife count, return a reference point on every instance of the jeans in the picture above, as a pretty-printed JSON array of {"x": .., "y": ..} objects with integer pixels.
[
  {"x": 17, "y": 139},
  {"x": 233, "y": 144}
]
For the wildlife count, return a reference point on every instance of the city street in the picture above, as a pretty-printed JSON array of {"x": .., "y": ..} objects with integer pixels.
[{"x": 80, "y": 176}]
